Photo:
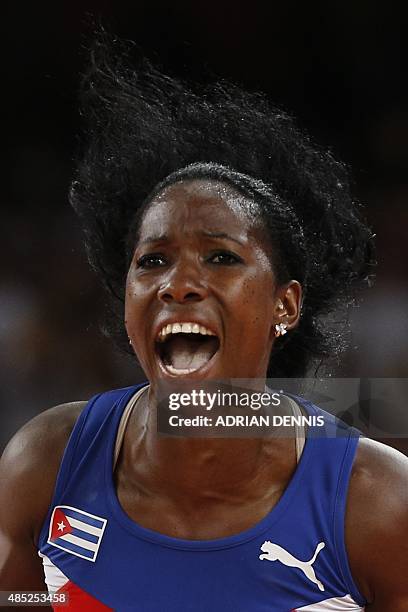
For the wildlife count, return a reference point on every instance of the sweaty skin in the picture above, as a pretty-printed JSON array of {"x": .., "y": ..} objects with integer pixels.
[{"x": 199, "y": 254}]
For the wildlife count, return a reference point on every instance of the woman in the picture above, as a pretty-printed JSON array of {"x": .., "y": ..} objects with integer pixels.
[{"x": 226, "y": 234}]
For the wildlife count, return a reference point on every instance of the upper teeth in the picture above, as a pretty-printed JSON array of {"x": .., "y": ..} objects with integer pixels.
[{"x": 183, "y": 328}]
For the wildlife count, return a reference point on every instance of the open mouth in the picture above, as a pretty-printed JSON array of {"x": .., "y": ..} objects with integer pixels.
[{"x": 184, "y": 348}]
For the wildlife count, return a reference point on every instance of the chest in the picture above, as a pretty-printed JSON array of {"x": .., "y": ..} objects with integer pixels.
[{"x": 205, "y": 520}]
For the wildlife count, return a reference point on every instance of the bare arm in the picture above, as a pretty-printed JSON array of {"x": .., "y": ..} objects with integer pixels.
[
  {"x": 28, "y": 471},
  {"x": 377, "y": 526}
]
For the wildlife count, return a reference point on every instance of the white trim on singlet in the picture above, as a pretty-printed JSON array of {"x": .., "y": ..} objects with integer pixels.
[
  {"x": 55, "y": 579},
  {"x": 334, "y": 604},
  {"x": 300, "y": 434},
  {"x": 124, "y": 421}
]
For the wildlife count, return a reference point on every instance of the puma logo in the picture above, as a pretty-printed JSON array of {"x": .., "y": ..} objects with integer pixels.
[{"x": 273, "y": 552}]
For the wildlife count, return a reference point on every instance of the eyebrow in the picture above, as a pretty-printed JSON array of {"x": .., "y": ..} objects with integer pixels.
[
  {"x": 221, "y": 235},
  {"x": 165, "y": 238},
  {"x": 149, "y": 239}
]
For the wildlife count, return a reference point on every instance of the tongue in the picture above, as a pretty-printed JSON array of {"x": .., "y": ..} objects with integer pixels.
[{"x": 185, "y": 353}]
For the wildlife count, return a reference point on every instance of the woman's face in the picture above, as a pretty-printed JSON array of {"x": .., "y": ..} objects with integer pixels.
[{"x": 201, "y": 295}]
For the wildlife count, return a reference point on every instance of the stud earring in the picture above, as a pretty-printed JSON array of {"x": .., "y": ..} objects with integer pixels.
[
  {"x": 130, "y": 342},
  {"x": 280, "y": 329}
]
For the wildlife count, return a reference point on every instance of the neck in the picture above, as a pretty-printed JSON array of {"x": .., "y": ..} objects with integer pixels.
[{"x": 204, "y": 468}]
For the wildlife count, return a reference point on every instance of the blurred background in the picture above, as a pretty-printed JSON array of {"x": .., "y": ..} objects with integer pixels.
[{"x": 339, "y": 66}]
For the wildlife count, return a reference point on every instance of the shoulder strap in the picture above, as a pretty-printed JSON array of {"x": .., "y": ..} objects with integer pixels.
[
  {"x": 84, "y": 432},
  {"x": 340, "y": 513}
]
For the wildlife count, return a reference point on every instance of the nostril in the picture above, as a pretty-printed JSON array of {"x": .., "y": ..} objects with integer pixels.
[
  {"x": 190, "y": 296},
  {"x": 166, "y": 297}
]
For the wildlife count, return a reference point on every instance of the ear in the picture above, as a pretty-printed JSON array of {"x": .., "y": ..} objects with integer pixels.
[{"x": 288, "y": 301}]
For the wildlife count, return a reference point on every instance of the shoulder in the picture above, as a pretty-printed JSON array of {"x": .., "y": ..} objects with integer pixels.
[
  {"x": 29, "y": 467},
  {"x": 377, "y": 522}
]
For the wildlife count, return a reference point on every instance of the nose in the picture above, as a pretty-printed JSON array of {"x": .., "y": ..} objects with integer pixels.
[{"x": 182, "y": 285}]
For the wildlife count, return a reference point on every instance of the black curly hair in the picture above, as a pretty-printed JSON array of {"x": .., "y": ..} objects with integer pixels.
[{"x": 146, "y": 130}]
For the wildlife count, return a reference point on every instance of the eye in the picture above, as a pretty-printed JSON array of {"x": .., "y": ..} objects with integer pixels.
[
  {"x": 152, "y": 260},
  {"x": 225, "y": 258}
]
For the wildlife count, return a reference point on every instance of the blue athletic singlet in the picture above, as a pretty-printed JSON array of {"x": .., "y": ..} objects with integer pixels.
[{"x": 293, "y": 559}]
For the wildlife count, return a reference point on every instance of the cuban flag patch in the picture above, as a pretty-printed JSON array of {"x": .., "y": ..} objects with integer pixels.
[{"x": 77, "y": 532}]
